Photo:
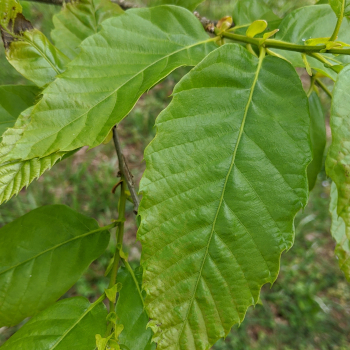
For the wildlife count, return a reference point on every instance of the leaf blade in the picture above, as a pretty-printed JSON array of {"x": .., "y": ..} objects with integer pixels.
[
  {"x": 68, "y": 324},
  {"x": 43, "y": 251},
  {"x": 198, "y": 269},
  {"x": 187, "y": 46}
]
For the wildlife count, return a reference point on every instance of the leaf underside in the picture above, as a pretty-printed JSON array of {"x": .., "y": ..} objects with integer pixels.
[
  {"x": 225, "y": 176},
  {"x": 338, "y": 166},
  {"x": 42, "y": 254},
  {"x": 69, "y": 324},
  {"x": 79, "y": 20},
  {"x": 115, "y": 68}
]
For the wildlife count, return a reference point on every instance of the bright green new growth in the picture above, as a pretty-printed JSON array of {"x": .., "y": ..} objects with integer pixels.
[
  {"x": 79, "y": 20},
  {"x": 112, "y": 80},
  {"x": 42, "y": 254},
  {"x": 69, "y": 324},
  {"x": 225, "y": 176}
]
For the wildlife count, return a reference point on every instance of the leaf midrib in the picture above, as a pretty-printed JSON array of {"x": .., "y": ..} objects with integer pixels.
[
  {"x": 53, "y": 248},
  {"x": 261, "y": 58},
  {"x": 126, "y": 82}
]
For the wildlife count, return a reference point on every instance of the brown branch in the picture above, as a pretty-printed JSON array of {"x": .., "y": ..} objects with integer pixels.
[{"x": 125, "y": 171}]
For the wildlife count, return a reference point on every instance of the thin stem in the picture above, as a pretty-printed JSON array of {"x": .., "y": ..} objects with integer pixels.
[
  {"x": 324, "y": 87},
  {"x": 339, "y": 22},
  {"x": 119, "y": 236},
  {"x": 312, "y": 84},
  {"x": 125, "y": 171},
  {"x": 278, "y": 44},
  {"x": 131, "y": 271},
  {"x": 322, "y": 59}
]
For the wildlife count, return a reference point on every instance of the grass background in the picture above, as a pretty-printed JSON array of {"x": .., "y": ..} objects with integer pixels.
[{"x": 308, "y": 308}]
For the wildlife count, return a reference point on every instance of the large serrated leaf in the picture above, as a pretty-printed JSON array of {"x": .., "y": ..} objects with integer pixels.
[
  {"x": 14, "y": 99},
  {"x": 42, "y": 254},
  {"x": 189, "y": 4},
  {"x": 341, "y": 234},
  {"x": 70, "y": 324},
  {"x": 31, "y": 53},
  {"x": 318, "y": 138},
  {"x": 99, "y": 88},
  {"x": 225, "y": 176},
  {"x": 79, "y": 20},
  {"x": 317, "y": 21},
  {"x": 131, "y": 313},
  {"x": 338, "y": 158}
]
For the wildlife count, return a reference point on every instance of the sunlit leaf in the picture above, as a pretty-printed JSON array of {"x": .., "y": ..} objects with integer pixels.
[
  {"x": 225, "y": 176},
  {"x": 102, "y": 85},
  {"x": 338, "y": 166},
  {"x": 78, "y": 20}
]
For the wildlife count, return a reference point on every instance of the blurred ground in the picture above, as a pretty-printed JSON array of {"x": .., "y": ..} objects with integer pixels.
[{"x": 308, "y": 308}]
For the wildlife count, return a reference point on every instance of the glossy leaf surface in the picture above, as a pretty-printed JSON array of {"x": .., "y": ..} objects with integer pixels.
[
  {"x": 248, "y": 11},
  {"x": 225, "y": 176},
  {"x": 338, "y": 158},
  {"x": 341, "y": 234},
  {"x": 79, "y": 20},
  {"x": 318, "y": 138},
  {"x": 131, "y": 313},
  {"x": 316, "y": 21},
  {"x": 340, "y": 7},
  {"x": 14, "y": 99},
  {"x": 68, "y": 324},
  {"x": 189, "y": 4},
  {"x": 42, "y": 254},
  {"x": 35, "y": 57},
  {"x": 103, "y": 83}
]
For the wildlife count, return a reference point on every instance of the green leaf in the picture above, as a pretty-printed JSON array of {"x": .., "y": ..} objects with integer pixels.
[
  {"x": 9, "y": 10},
  {"x": 131, "y": 313},
  {"x": 316, "y": 21},
  {"x": 189, "y": 4},
  {"x": 337, "y": 6},
  {"x": 224, "y": 178},
  {"x": 102, "y": 85},
  {"x": 31, "y": 53},
  {"x": 79, "y": 20},
  {"x": 68, "y": 324},
  {"x": 248, "y": 11},
  {"x": 256, "y": 28},
  {"x": 14, "y": 99},
  {"x": 42, "y": 254},
  {"x": 341, "y": 233},
  {"x": 338, "y": 165},
  {"x": 318, "y": 138}
]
